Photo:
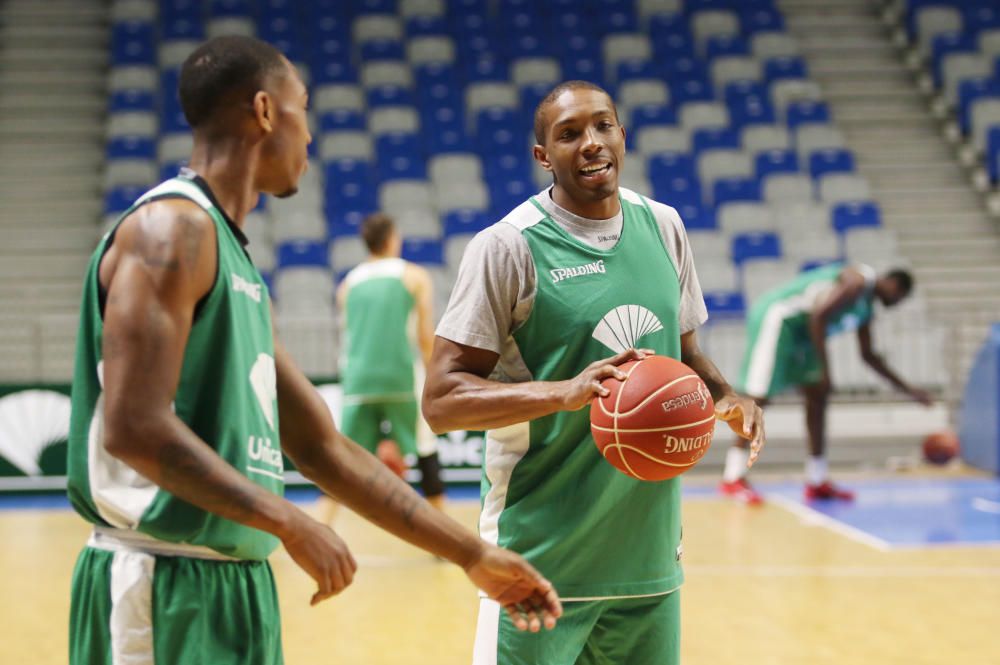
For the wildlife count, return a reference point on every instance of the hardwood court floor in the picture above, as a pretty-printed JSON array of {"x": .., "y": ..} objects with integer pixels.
[{"x": 762, "y": 588}]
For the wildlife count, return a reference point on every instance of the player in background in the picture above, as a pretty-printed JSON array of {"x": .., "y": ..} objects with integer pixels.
[
  {"x": 183, "y": 402},
  {"x": 517, "y": 353},
  {"x": 786, "y": 347},
  {"x": 386, "y": 309}
]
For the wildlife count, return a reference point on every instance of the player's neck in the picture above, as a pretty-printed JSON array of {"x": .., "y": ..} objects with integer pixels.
[
  {"x": 605, "y": 208},
  {"x": 229, "y": 176}
]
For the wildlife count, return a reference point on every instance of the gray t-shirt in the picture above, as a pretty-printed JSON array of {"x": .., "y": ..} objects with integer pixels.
[{"x": 495, "y": 289}]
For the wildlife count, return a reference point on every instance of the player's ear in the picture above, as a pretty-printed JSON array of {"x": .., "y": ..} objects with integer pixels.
[
  {"x": 263, "y": 110},
  {"x": 541, "y": 156}
]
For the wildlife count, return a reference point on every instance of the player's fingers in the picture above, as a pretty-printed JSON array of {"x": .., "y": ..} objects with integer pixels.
[
  {"x": 325, "y": 589},
  {"x": 625, "y": 356},
  {"x": 516, "y": 617},
  {"x": 609, "y": 371},
  {"x": 749, "y": 421},
  {"x": 598, "y": 389}
]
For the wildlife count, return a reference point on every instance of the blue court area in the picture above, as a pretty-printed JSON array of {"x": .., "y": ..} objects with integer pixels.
[{"x": 909, "y": 512}]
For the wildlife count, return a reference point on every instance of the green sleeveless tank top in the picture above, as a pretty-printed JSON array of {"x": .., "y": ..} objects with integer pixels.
[
  {"x": 377, "y": 360},
  {"x": 547, "y": 491},
  {"x": 800, "y": 295},
  {"x": 226, "y": 395}
]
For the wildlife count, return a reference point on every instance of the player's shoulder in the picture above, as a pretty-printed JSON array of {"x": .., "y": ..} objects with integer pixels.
[
  {"x": 174, "y": 224},
  {"x": 667, "y": 218}
]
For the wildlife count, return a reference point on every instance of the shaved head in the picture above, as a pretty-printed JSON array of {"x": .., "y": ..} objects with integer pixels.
[{"x": 543, "y": 106}]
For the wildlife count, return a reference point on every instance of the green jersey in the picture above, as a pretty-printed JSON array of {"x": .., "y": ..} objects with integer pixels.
[
  {"x": 226, "y": 395},
  {"x": 377, "y": 361},
  {"x": 797, "y": 299},
  {"x": 547, "y": 491}
]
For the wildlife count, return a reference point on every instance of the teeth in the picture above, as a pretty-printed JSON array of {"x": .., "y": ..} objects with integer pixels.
[{"x": 595, "y": 169}]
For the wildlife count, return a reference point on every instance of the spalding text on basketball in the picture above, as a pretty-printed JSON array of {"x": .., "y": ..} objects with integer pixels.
[{"x": 683, "y": 444}]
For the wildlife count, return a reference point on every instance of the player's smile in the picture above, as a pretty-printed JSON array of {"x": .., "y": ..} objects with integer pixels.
[{"x": 597, "y": 172}]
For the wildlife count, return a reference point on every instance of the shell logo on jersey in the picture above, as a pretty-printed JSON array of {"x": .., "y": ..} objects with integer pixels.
[
  {"x": 262, "y": 380},
  {"x": 624, "y": 326}
]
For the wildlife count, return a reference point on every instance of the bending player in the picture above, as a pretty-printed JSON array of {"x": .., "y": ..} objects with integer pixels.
[
  {"x": 786, "y": 347},
  {"x": 183, "y": 402},
  {"x": 516, "y": 354},
  {"x": 386, "y": 307}
]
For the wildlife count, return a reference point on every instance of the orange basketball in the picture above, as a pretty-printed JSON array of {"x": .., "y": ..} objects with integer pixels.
[
  {"x": 657, "y": 423},
  {"x": 940, "y": 447}
]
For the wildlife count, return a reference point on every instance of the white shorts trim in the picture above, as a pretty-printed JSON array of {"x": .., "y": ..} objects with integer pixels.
[
  {"x": 132, "y": 542},
  {"x": 131, "y": 621}
]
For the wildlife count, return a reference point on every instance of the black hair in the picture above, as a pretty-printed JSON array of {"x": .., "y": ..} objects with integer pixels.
[
  {"x": 221, "y": 72},
  {"x": 547, "y": 101},
  {"x": 902, "y": 277},
  {"x": 376, "y": 230}
]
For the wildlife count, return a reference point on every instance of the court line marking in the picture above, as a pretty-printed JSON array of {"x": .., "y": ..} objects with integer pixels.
[
  {"x": 842, "y": 571},
  {"x": 812, "y": 517},
  {"x": 986, "y": 506}
]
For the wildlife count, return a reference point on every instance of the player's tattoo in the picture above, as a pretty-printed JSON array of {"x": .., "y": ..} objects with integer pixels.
[
  {"x": 183, "y": 472},
  {"x": 382, "y": 485}
]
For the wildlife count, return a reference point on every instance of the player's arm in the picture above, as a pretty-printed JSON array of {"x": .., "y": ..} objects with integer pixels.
[
  {"x": 423, "y": 296},
  {"x": 741, "y": 412},
  {"x": 846, "y": 290},
  {"x": 459, "y": 395},
  {"x": 163, "y": 261},
  {"x": 359, "y": 480},
  {"x": 877, "y": 363}
]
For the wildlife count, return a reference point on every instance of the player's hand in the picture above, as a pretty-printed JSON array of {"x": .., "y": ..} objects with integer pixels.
[
  {"x": 746, "y": 419},
  {"x": 322, "y": 554},
  {"x": 921, "y": 395},
  {"x": 585, "y": 386},
  {"x": 507, "y": 578}
]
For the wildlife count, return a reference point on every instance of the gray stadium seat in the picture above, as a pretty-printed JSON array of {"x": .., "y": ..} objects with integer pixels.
[
  {"x": 712, "y": 23},
  {"x": 540, "y": 176},
  {"x": 728, "y": 69},
  {"x": 257, "y": 227},
  {"x": 933, "y": 21},
  {"x": 133, "y": 10},
  {"x": 717, "y": 274},
  {"x": 119, "y": 172},
  {"x": 812, "y": 137},
  {"x": 430, "y": 48},
  {"x": 386, "y": 72},
  {"x": 639, "y": 92},
  {"x": 956, "y": 67},
  {"x": 792, "y": 216},
  {"x": 736, "y": 218},
  {"x": 786, "y": 91},
  {"x": 454, "y": 248},
  {"x": 132, "y": 123},
  {"x": 301, "y": 288},
  {"x": 870, "y": 245},
  {"x": 699, "y": 115},
  {"x": 296, "y": 219},
  {"x": 759, "y": 138},
  {"x": 174, "y": 147},
  {"x": 764, "y": 45},
  {"x": 173, "y": 53},
  {"x": 761, "y": 276},
  {"x": 399, "y": 196},
  {"x": 220, "y": 26},
  {"x": 654, "y": 139},
  {"x": 347, "y": 252},
  {"x": 311, "y": 337},
  {"x": 262, "y": 254},
  {"x": 387, "y": 119},
  {"x": 333, "y": 96},
  {"x": 811, "y": 244},
  {"x": 376, "y": 26},
  {"x": 455, "y": 167},
  {"x": 722, "y": 163},
  {"x": 989, "y": 43},
  {"x": 133, "y": 77},
  {"x": 461, "y": 195},
  {"x": 648, "y": 8},
  {"x": 985, "y": 114},
  {"x": 409, "y": 8},
  {"x": 708, "y": 245},
  {"x": 636, "y": 182},
  {"x": 619, "y": 47},
  {"x": 352, "y": 144},
  {"x": 526, "y": 71},
  {"x": 844, "y": 187},
  {"x": 486, "y": 94},
  {"x": 419, "y": 224},
  {"x": 787, "y": 187}
]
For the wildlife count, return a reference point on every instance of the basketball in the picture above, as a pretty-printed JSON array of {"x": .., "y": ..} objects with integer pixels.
[
  {"x": 388, "y": 453},
  {"x": 657, "y": 423},
  {"x": 940, "y": 447}
]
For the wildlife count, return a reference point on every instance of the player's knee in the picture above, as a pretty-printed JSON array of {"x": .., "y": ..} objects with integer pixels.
[{"x": 430, "y": 475}]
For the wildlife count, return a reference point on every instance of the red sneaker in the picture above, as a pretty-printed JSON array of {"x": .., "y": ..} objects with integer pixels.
[
  {"x": 741, "y": 491},
  {"x": 827, "y": 491}
]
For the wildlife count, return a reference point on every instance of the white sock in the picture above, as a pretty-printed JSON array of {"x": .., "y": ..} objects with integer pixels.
[
  {"x": 736, "y": 464},
  {"x": 816, "y": 471}
]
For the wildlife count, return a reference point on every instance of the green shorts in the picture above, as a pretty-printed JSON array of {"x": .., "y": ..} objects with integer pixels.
[
  {"x": 625, "y": 631},
  {"x": 129, "y": 606},
  {"x": 369, "y": 422},
  {"x": 779, "y": 355}
]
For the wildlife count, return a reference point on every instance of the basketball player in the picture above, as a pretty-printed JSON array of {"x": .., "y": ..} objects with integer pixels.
[
  {"x": 516, "y": 354},
  {"x": 380, "y": 301},
  {"x": 786, "y": 347},
  {"x": 183, "y": 403}
]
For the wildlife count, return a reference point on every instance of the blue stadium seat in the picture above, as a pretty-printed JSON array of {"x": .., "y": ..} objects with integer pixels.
[
  {"x": 803, "y": 111},
  {"x": 570, "y": 23},
  {"x": 400, "y": 156},
  {"x": 980, "y": 16},
  {"x": 669, "y": 165},
  {"x": 722, "y": 45},
  {"x": 170, "y": 169},
  {"x": 486, "y": 68},
  {"x": 459, "y": 222},
  {"x": 507, "y": 167},
  {"x": 326, "y": 26},
  {"x": 382, "y": 49},
  {"x": 389, "y": 95},
  {"x": 271, "y": 9},
  {"x": 330, "y": 49},
  {"x": 752, "y": 110},
  {"x": 946, "y": 44},
  {"x": 132, "y": 43},
  {"x": 344, "y": 223},
  {"x": 462, "y": 7},
  {"x": 677, "y": 190},
  {"x": 672, "y": 45},
  {"x": 434, "y": 73},
  {"x": 120, "y": 199},
  {"x": 736, "y": 92},
  {"x": 131, "y": 100},
  {"x": 347, "y": 170},
  {"x": 696, "y": 216},
  {"x": 584, "y": 68},
  {"x": 646, "y": 115},
  {"x": 131, "y": 147},
  {"x": 685, "y": 68},
  {"x": 785, "y": 67},
  {"x": 971, "y": 90},
  {"x": 762, "y": 19},
  {"x": 775, "y": 161},
  {"x": 830, "y": 160},
  {"x": 219, "y": 8},
  {"x": 854, "y": 214},
  {"x": 341, "y": 119},
  {"x": 753, "y": 246},
  {"x": 691, "y": 90},
  {"x": 303, "y": 253},
  {"x": 725, "y": 304},
  {"x": 187, "y": 9},
  {"x": 426, "y": 26},
  {"x": 729, "y": 190},
  {"x": 506, "y": 195},
  {"x": 993, "y": 153},
  {"x": 494, "y": 119},
  {"x": 423, "y": 250},
  {"x": 448, "y": 140},
  {"x": 629, "y": 70},
  {"x": 710, "y": 138},
  {"x": 332, "y": 71},
  {"x": 502, "y": 141},
  {"x": 181, "y": 28}
]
